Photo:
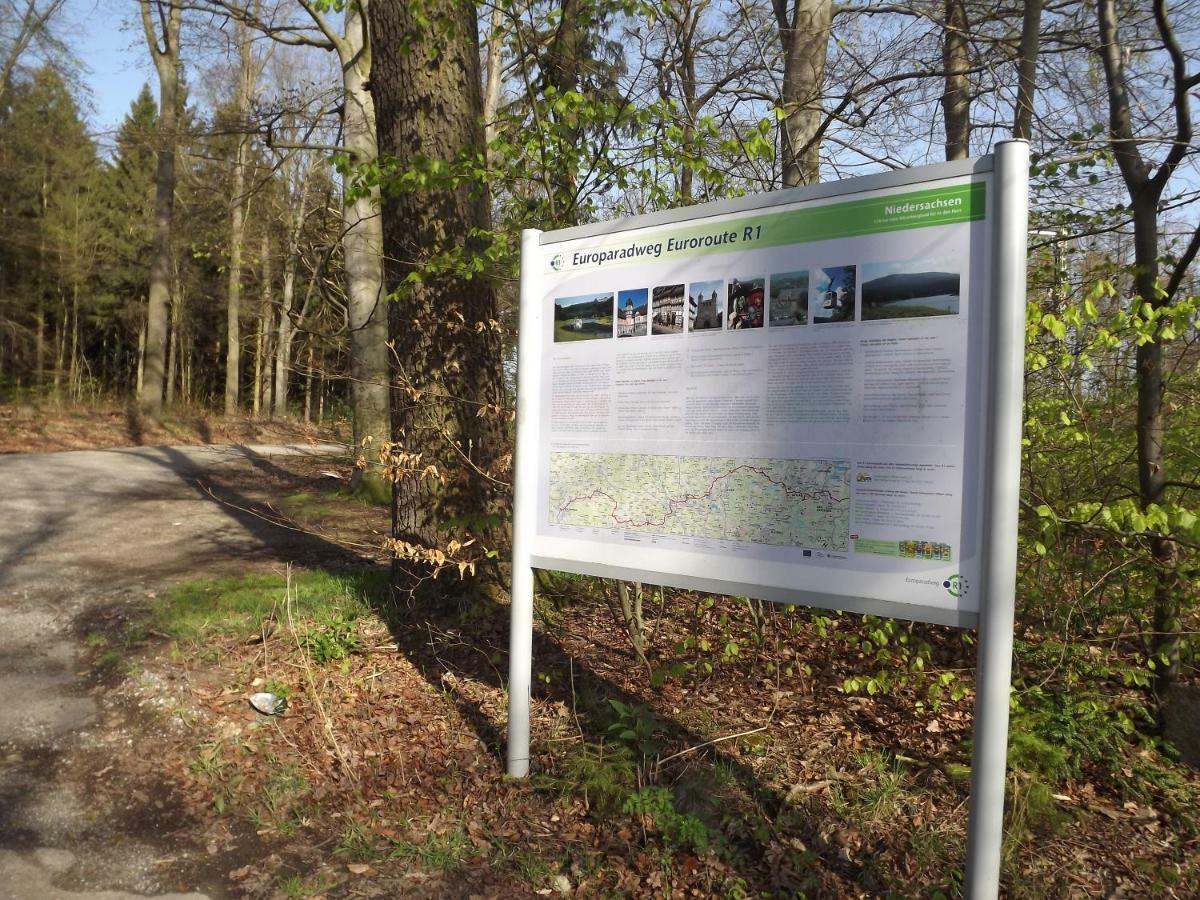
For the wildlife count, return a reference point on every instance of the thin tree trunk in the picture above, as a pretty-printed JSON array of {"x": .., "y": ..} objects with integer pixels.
[
  {"x": 60, "y": 346},
  {"x": 287, "y": 331},
  {"x": 956, "y": 99},
  {"x": 141, "y": 357},
  {"x": 1145, "y": 185},
  {"x": 267, "y": 318},
  {"x": 1031, "y": 29},
  {"x": 308, "y": 386},
  {"x": 491, "y": 91},
  {"x": 804, "y": 34},
  {"x": 39, "y": 346},
  {"x": 176, "y": 348},
  {"x": 362, "y": 236},
  {"x": 166, "y": 62},
  {"x": 362, "y": 246},
  {"x": 283, "y": 344},
  {"x": 74, "y": 377}
]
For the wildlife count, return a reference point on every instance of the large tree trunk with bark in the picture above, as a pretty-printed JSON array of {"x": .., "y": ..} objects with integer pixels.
[
  {"x": 804, "y": 35},
  {"x": 447, "y": 383}
]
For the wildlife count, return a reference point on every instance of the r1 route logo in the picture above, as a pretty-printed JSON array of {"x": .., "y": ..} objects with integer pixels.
[{"x": 956, "y": 586}]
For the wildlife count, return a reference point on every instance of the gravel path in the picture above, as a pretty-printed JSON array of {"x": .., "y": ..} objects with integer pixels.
[{"x": 79, "y": 531}]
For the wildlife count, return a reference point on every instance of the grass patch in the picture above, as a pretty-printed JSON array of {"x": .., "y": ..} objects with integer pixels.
[
  {"x": 238, "y": 605},
  {"x": 875, "y": 793},
  {"x": 281, "y": 796},
  {"x": 298, "y": 886},
  {"x": 603, "y": 775},
  {"x": 440, "y": 852},
  {"x": 528, "y": 865}
]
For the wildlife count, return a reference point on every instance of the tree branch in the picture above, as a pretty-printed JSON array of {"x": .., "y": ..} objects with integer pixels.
[{"x": 1180, "y": 100}]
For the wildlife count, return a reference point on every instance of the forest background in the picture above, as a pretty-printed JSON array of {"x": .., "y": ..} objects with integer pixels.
[{"x": 313, "y": 211}]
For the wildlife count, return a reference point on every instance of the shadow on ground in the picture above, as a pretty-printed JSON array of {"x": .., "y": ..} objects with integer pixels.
[{"x": 479, "y": 637}]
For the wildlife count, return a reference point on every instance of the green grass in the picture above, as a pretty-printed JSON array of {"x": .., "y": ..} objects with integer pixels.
[
  {"x": 298, "y": 886},
  {"x": 238, "y": 605},
  {"x": 875, "y": 793},
  {"x": 440, "y": 852},
  {"x": 306, "y": 505},
  {"x": 563, "y": 333}
]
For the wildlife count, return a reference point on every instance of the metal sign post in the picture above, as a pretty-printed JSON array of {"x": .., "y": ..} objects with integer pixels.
[
  {"x": 871, "y": 465},
  {"x": 520, "y": 640},
  {"x": 993, "y": 673}
]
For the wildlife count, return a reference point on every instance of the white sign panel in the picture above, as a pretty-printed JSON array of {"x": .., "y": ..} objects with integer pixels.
[{"x": 784, "y": 402}]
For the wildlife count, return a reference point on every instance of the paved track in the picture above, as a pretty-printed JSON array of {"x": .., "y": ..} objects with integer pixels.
[{"x": 80, "y": 530}]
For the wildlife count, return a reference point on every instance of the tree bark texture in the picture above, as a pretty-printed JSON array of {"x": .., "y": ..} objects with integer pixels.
[
  {"x": 362, "y": 245},
  {"x": 804, "y": 30},
  {"x": 287, "y": 297},
  {"x": 237, "y": 223},
  {"x": 1031, "y": 32},
  {"x": 166, "y": 63},
  {"x": 956, "y": 98},
  {"x": 446, "y": 362},
  {"x": 362, "y": 235}
]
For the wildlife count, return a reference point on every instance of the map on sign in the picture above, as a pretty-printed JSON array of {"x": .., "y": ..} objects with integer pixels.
[{"x": 781, "y": 502}]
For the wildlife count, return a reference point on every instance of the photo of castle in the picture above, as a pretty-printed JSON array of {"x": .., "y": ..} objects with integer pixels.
[{"x": 631, "y": 313}]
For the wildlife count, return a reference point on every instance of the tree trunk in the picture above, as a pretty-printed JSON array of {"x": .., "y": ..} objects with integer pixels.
[
  {"x": 956, "y": 99},
  {"x": 308, "y": 386},
  {"x": 39, "y": 346},
  {"x": 804, "y": 36},
  {"x": 237, "y": 224},
  {"x": 166, "y": 63},
  {"x": 141, "y": 357},
  {"x": 233, "y": 303},
  {"x": 74, "y": 376},
  {"x": 173, "y": 362},
  {"x": 1145, "y": 185},
  {"x": 1151, "y": 435},
  {"x": 287, "y": 331},
  {"x": 563, "y": 64},
  {"x": 362, "y": 246},
  {"x": 60, "y": 346},
  {"x": 495, "y": 78},
  {"x": 260, "y": 340},
  {"x": 1031, "y": 29},
  {"x": 362, "y": 235},
  {"x": 446, "y": 364},
  {"x": 283, "y": 343}
]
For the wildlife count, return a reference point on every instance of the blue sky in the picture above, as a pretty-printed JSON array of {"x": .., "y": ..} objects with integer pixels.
[{"x": 106, "y": 37}]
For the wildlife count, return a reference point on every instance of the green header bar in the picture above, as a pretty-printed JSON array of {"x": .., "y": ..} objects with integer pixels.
[{"x": 877, "y": 215}]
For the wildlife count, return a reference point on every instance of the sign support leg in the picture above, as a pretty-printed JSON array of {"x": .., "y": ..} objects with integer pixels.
[
  {"x": 525, "y": 486},
  {"x": 993, "y": 676},
  {"x": 520, "y": 669}
]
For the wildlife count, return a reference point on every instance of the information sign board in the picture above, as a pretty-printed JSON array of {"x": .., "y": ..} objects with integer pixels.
[
  {"x": 772, "y": 401},
  {"x": 810, "y": 397}
]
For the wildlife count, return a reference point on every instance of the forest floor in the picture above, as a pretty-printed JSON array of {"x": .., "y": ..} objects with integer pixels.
[
  {"x": 46, "y": 427},
  {"x": 757, "y": 752}
]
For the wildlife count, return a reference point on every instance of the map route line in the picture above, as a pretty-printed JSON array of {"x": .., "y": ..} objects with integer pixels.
[{"x": 673, "y": 502}]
